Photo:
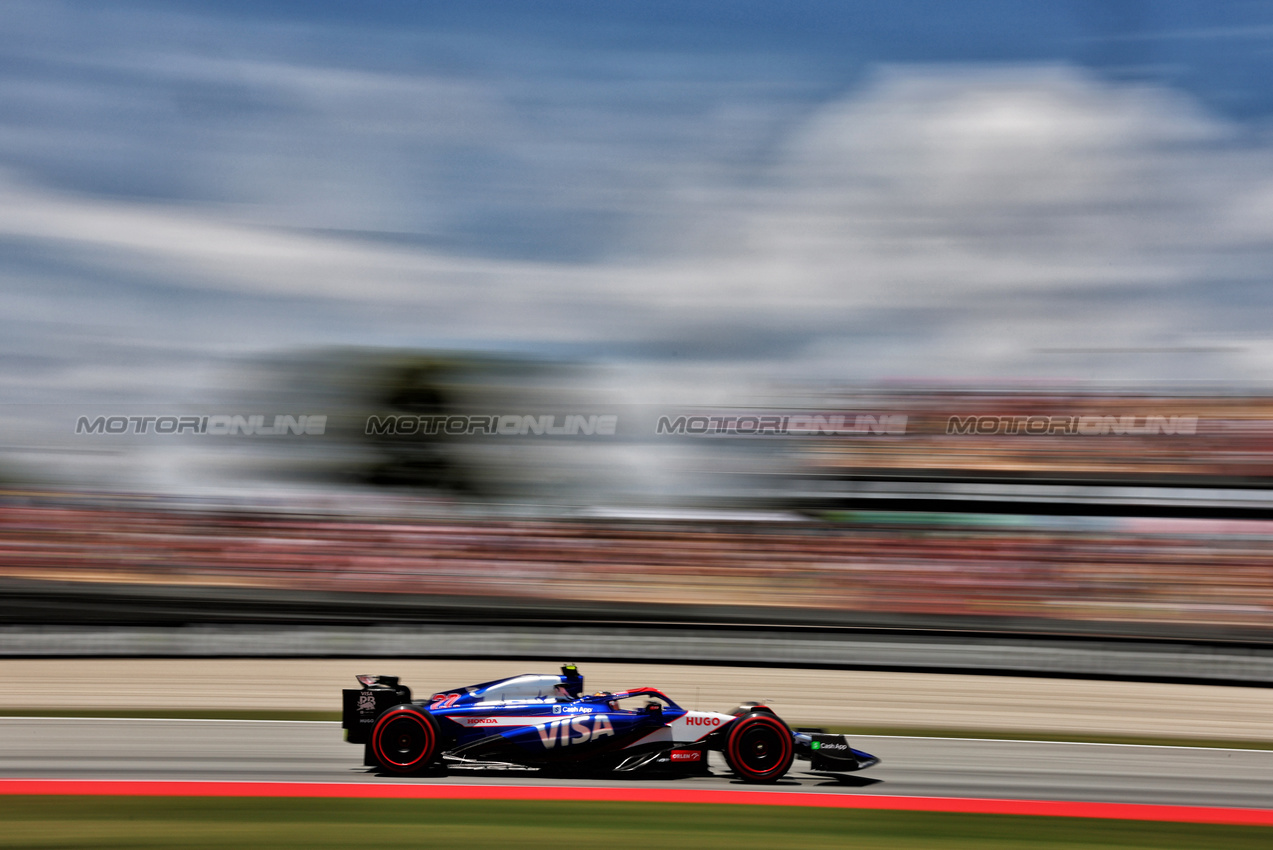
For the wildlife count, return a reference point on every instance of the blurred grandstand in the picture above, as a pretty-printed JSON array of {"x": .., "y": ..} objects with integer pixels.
[
  {"x": 1027, "y": 511},
  {"x": 1032, "y": 451},
  {"x": 1148, "y": 577}
]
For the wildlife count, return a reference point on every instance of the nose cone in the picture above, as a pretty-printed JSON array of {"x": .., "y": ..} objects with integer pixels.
[{"x": 865, "y": 760}]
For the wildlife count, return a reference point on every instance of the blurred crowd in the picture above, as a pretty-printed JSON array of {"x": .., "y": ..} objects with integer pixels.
[
  {"x": 1158, "y": 574},
  {"x": 1124, "y": 437}
]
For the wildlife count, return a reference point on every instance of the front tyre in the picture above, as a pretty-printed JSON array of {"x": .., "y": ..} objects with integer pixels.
[
  {"x": 759, "y": 748},
  {"x": 405, "y": 740}
]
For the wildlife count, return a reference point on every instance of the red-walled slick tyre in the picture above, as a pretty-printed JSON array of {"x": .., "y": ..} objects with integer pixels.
[
  {"x": 759, "y": 748},
  {"x": 405, "y": 740}
]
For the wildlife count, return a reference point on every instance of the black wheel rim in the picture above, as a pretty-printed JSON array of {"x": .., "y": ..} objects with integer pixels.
[
  {"x": 760, "y": 748},
  {"x": 403, "y": 740}
]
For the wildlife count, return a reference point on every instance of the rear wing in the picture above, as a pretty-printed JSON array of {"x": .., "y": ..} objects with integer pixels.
[{"x": 362, "y": 707}]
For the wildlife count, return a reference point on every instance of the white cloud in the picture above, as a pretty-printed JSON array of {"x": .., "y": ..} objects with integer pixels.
[
  {"x": 935, "y": 184},
  {"x": 957, "y": 214}
]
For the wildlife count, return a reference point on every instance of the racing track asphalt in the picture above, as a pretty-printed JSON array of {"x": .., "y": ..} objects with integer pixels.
[{"x": 288, "y": 751}]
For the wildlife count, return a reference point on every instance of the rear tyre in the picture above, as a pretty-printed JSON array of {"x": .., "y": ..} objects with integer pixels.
[
  {"x": 405, "y": 740},
  {"x": 759, "y": 748}
]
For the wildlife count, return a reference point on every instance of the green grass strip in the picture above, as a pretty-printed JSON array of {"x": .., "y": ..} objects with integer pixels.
[{"x": 279, "y": 824}]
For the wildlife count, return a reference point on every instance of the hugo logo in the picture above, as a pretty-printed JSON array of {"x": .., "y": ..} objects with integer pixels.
[{"x": 691, "y": 720}]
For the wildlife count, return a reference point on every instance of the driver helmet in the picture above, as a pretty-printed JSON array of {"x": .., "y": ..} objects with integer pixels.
[{"x": 571, "y": 684}]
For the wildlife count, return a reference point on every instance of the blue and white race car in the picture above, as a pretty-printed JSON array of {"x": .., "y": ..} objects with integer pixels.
[{"x": 547, "y": 722}]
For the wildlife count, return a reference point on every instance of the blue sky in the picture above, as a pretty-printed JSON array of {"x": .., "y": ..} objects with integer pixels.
[
  {"x": 150, "y": 99},
  {"x": 830, "y": 191}
]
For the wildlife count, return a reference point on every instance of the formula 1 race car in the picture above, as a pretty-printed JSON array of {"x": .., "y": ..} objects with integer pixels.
[{"x": 546, "y": 722}]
